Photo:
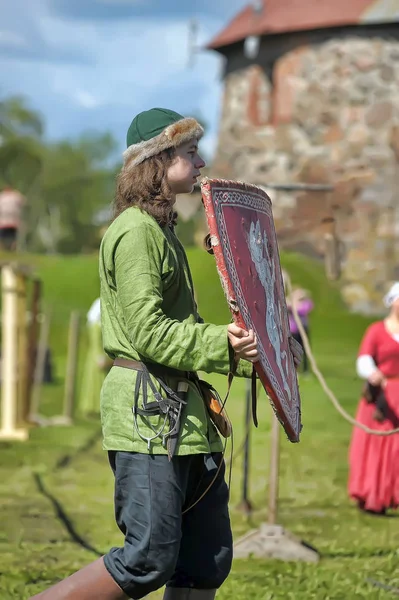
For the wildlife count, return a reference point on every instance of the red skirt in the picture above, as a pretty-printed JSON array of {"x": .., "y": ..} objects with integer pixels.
[{"x": 374, "y": 460}]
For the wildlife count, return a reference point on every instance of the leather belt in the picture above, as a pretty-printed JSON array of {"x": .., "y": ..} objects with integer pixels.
[
  {"x": 126, "y": 363},
  {"x": 155, "y": 369},
  {"x": 168, "y": 406}
]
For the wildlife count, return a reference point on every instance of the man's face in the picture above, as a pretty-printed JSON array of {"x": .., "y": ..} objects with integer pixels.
[{"x": 185, "y": 170}]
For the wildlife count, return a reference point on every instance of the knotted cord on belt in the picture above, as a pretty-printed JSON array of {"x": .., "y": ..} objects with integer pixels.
[{"x": 321, "y": 379}]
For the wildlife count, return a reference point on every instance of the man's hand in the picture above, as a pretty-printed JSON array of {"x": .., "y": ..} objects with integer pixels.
[
  {"x": 243, "y": 343},
  {"x": 296, "y": 351}
]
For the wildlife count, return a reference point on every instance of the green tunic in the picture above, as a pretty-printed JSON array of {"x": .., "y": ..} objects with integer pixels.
[{"x": 148, "y": 313}]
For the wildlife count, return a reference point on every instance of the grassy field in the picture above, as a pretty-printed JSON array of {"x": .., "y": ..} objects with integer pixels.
[{"x": 56, "y": 489}]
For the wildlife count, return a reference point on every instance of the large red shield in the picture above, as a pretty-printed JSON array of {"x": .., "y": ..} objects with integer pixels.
[{"x": 244, "y": 242}]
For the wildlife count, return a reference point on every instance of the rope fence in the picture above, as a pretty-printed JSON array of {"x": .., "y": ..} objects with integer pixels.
[{"x": 329, "y": 393}]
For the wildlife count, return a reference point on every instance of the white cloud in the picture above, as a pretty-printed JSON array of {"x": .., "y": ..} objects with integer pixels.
[
  {"x": 137, "y": 57},
  {"x": 142, "y": 64},
  {"x": 85, "y": 99},
  {"x": 134, "y": 64}
]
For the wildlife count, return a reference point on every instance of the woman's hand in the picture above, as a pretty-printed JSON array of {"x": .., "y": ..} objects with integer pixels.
[
  {"x": 243, "y": 343},
  {"x": 377, "y": 378}
]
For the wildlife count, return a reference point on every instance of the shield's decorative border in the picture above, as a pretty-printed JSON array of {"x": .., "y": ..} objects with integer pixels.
[{"x": 214, "y": 192}]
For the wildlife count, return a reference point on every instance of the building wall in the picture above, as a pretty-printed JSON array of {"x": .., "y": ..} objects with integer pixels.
[{"x": 323, "y": 112}]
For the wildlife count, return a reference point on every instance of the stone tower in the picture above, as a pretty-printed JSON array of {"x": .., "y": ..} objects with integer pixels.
[{"x": 311, "y": 94}]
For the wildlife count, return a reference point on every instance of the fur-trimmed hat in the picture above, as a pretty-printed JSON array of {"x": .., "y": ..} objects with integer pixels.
[{"x": 158, "y": 129}]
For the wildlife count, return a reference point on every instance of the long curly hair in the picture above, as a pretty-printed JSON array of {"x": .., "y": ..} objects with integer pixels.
[{"x": 146, "y": 186}]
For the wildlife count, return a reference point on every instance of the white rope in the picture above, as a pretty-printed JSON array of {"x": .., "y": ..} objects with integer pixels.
[{"x": 320, "y": 377}]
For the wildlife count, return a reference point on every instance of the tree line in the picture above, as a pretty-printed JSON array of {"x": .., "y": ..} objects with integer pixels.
[{"x": 68, "y": 184}]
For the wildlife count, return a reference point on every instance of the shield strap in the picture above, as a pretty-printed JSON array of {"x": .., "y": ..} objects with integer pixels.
[
  {"x": 254, "y": 399},
  {"x": 170, "y": 405},
  {"x": 232, "y": 373}
]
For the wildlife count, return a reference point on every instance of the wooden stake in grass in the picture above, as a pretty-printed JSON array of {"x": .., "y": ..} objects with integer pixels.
[
  {"x": 274, "y": 471},
  {"x": 272, "y": 540},
  {"x": 9, "y": 391},
  {"x": 72, "y": 365},
  {"x": 70, "y": 380},
  {"x": 33, "y": 340},
  {"x": 22, "y": 346},
  {"x": 35, "y": 416}
]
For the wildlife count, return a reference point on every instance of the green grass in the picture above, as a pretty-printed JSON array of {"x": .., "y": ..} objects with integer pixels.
[{"x": 61, "y": 475}]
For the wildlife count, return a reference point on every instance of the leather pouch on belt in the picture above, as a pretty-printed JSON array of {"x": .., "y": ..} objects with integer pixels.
[{"x": 215, "y": 409}]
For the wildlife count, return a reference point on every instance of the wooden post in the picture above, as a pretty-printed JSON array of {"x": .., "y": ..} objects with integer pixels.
[
  {"x": 34, "y": 415},
  {"x": 22, "y": 344},
  {"x": 274, "y": 471},
  {"x": 72, "y": 364},
  {"x": 332, "y": 258},
  {"x": 33, "y": 340},
  {"x": 271, "y": 540},
  {"x": 9, "y": 391}
]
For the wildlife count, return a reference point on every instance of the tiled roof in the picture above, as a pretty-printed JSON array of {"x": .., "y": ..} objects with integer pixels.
[{"x": 282, "y": 16}]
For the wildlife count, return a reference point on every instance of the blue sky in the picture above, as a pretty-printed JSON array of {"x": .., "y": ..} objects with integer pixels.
[{"x": 93, "y": 64}]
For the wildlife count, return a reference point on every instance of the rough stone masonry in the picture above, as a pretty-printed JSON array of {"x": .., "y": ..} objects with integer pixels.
[{"x": 328, "y": 114}]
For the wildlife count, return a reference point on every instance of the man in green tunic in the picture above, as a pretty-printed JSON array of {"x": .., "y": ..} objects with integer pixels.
[{"x": 171, "y": 499}]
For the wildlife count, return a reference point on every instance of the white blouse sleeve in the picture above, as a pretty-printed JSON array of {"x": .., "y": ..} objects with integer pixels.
[{"x": 365, "y": 366}]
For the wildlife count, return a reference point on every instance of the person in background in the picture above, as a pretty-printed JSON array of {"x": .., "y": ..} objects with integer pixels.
[
  {"x": 304, "y": 306},
  {"x": 11, "y": 204},
  {"x": 374, "y": 460},
  {"x": 96, "y": 365}
]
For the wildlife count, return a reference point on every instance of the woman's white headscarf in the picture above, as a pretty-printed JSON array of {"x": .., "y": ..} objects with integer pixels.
[{"x": 392, "y": 295}]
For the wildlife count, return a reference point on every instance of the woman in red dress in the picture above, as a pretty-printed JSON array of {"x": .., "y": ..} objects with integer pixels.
[{"x": 373, "y": 459}]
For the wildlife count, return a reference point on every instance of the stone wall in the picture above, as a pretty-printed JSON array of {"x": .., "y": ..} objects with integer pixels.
[{"x": 329, "y": 114}]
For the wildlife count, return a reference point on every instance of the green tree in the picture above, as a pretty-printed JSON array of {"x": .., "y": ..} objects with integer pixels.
[
  {"x": 76, "y": 184},
  {"x": 21, "y": 149},
  {"x": 66, "y": 183}
]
